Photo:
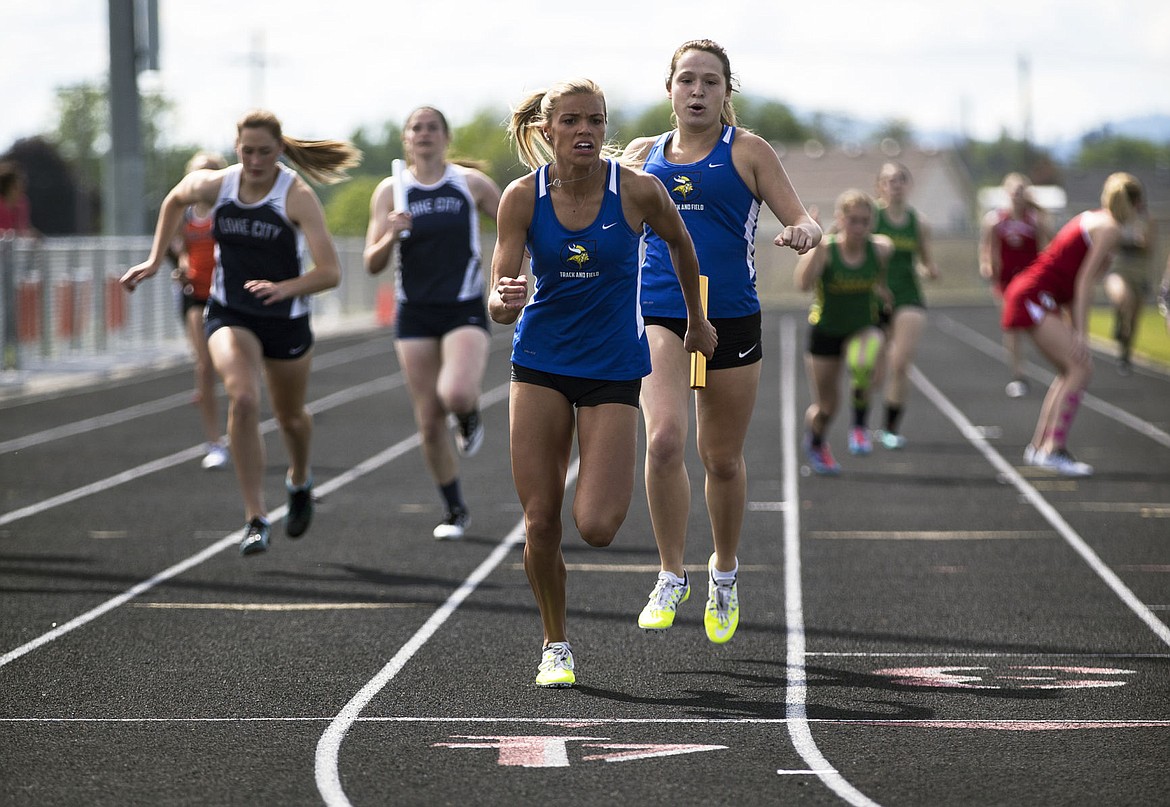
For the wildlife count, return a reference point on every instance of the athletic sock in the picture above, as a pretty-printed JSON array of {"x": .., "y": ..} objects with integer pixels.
[
  {"x": 453, "y": 496},
  {"x": 722, "y": 577},
  {"x": 893, "y": 415},
  {"x": 860, "y": 413}
]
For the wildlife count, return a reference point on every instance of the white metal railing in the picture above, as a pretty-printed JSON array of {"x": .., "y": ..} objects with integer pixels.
[{"x": 61, "y": 303}]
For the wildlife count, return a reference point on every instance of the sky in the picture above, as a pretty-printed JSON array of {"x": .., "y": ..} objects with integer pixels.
[{"x": 329, "y": 67}]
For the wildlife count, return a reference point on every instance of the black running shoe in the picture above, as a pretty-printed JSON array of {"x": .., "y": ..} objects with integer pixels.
[
  {"x": 469, "y": 434},
  {"x": 256, "y": 534},
  {"x": 300, "y": 510}
]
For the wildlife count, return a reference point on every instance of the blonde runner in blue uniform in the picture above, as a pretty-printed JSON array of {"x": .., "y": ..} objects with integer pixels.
[
  {"x": 718, "y": 176},
  {"x": 441, "y": 329},
  {"x": 579, "y": 352},
  {"x": 258, "y": 316}
]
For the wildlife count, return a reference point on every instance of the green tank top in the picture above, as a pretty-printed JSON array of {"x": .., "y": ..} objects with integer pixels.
[
  {"x": 845, "y": 302},
  {"x": 901, "y": 277}
]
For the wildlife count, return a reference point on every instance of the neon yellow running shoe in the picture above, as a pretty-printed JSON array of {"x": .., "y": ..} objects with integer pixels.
[
  {"x": 556, "y": 666},
  {"x": 664, "y": 602},
  {"x": 722, "y": 615}
]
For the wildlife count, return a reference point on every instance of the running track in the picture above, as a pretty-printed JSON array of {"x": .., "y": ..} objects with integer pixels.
[{"x": 937, "y": 626}]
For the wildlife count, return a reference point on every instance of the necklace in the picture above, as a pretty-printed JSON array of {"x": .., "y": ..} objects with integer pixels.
[{"x": 558, "y": 182}]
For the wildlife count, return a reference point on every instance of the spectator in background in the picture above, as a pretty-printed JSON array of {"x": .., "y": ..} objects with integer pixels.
[
  {"x": 1010, "y": 239},
  {"x": 1127, "y": 284},
  {"x": 14, "y": 208},
  {"x": 258, "y": 315},
  {"x": 194, "y": 252},
  {"x": 442, "y": 336},
  {"x": 912, "y": 257}
]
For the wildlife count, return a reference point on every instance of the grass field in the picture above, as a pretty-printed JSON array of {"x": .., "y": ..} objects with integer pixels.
[{"x": 1153, "y": 341}]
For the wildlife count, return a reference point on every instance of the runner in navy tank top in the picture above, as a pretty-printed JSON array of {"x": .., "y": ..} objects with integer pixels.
[
  {"x": 257, "y": 320},
  {"x": 579, "y": 352},
  {"x": 441, "y": 327},
  {"x": 717, "y": 176}
]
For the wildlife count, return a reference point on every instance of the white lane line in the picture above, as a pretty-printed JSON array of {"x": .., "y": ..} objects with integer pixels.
[
  {"x": 327, "y": 772},
  {"x": 585, "y": 722},
  {"x": 163, "y": 404},
  {"x": 1074, "y": 540},
  {"x": 927, "y": 535},
  {"x": 649, "y": 568},
  {"x": 361, "y": 469},
  {"x": 960, "y": 654},
  {"x": 996, "y": 351},
  {"x": 796, "y": 695},
  {"x": 275, "y": 607},
  {"x": 179, "y": 457},
  {"x": 96, "y": 422},
  {"x": 121, "y": 599}
]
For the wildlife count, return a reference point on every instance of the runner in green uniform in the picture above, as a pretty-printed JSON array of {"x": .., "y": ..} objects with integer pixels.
[
  {"x": 848, "y": 273},
  {"x": 911, "y": 237}
]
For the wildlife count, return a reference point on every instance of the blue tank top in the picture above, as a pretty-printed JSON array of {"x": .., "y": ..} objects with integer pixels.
[
  {"x": 584, "y": 319},
  {"x": 440, "y": 261},
  {"x": 721, "y": 215},
  {"x": 256, "y": 242}
]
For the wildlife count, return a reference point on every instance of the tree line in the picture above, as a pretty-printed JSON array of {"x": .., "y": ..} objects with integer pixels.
[{"x": 65, "y": 166}]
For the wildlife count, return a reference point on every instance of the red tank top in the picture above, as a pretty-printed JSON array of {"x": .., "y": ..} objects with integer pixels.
[
  {"x": 1056, "y": 268},
  {"x": 1017, "y": 243},
  {"x": 200, "y": 252}
]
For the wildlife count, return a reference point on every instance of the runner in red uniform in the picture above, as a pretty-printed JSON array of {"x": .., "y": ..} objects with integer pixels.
[{"x": 1063, "y": 277}]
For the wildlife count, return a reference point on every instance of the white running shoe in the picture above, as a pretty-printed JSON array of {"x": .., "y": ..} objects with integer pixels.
[
  {"x": 1063, "y": 463},
  {"x": 453, "y": 527},
  {"x": 1016, "y": 388},
  {"x": 216, "y": 456}
]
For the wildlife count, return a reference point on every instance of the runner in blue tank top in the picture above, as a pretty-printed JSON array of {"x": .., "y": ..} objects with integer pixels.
[
  {"x": 257, "y": 320},
  {"x": 718, "y": 176},
  {"x": 579, "y": 351}
]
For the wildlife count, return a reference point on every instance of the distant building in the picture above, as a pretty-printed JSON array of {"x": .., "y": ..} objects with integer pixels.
[{"x": 942, "y": 186}]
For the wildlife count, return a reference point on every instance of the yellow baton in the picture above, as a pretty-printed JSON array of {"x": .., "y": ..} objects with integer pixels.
[{"x": 698, "y": 360}]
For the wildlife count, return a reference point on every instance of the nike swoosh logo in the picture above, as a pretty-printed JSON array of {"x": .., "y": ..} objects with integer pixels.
[
  {"x": 296, "y": 351},
  {"x": 716, "y": 165},
  {"x": 607, "y": 226},
  {"x": 743, "y": 353}
]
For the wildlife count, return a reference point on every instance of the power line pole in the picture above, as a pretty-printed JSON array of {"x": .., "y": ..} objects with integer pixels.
[
  {"x": 133, "y": 46},
  {"x": 1024, "y": 69}
]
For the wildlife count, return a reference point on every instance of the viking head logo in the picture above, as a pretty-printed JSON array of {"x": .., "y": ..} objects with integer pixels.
[
  {"x": 683, "y": 186},
  {"x": 576, "y": 254}
]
